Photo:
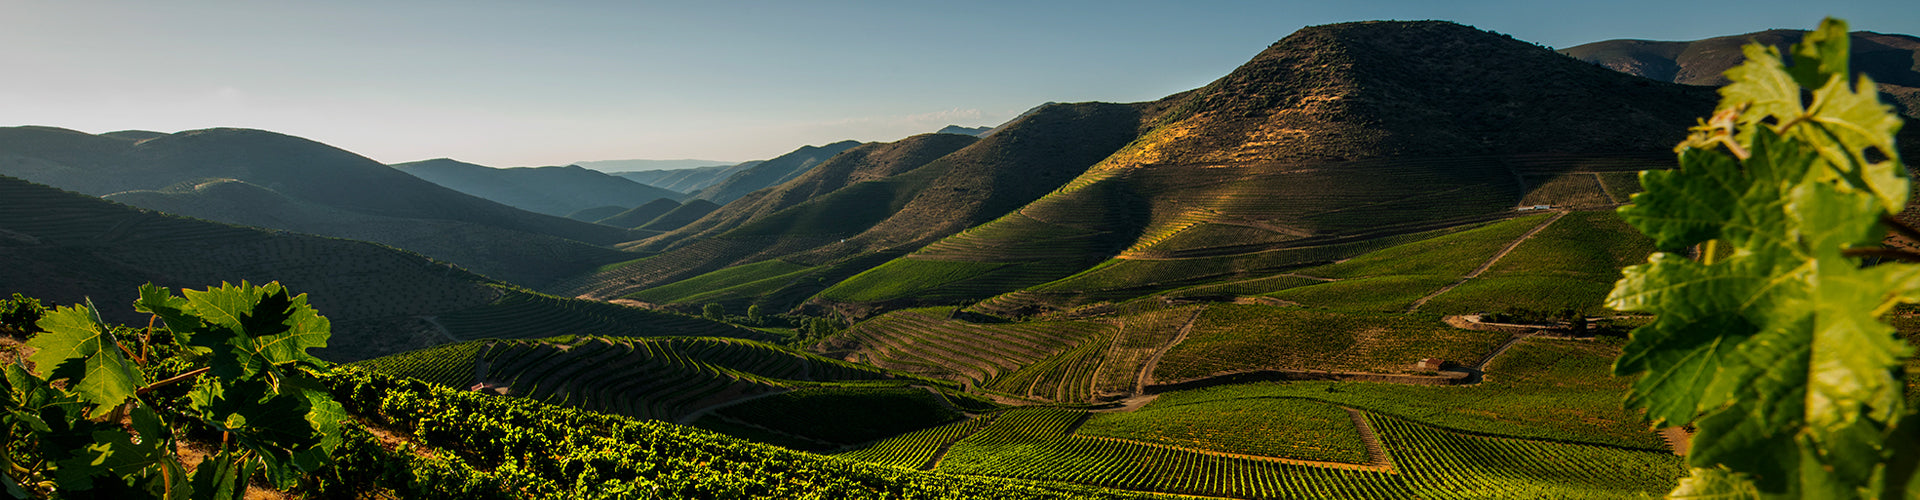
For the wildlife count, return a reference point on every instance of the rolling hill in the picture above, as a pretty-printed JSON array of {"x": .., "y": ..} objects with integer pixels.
[
  {"x": 640, "y": 215},
  {"x": 66, "y": 247},
  {"x": 1892, "y": 60},
  {"x": 687, "y": 180},
  {"x": 304, "y": 186},
  {"x": 745, "y": 178},
  {"x": 547, "y": 190},
  {"x": 847, "y": 230}
]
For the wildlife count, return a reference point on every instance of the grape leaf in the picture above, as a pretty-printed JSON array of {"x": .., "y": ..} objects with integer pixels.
[
  {"x": 74, "y": 344},
  {"x": 1773, "y": 348}
]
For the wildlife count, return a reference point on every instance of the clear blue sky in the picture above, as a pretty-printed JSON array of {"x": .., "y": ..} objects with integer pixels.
[{"x": 542, "y": 83}]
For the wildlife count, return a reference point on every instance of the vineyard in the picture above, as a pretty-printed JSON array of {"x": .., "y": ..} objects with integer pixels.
[
  {"x": 1425, "y": 462},
  {"x": 527, "y": 315},
  {"x": 927, "y": 342},
  {"x": 1235, "y": 337}
]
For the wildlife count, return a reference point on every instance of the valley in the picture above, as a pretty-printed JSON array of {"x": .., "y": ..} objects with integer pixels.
[{"x": 1372, "y": 262}]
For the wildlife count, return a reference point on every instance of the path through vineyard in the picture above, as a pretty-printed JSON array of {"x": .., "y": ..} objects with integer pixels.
[{"x": 1490, "y": 262}]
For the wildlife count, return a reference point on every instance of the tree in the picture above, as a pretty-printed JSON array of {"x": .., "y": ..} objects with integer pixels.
[
  {"x": 1771, "y": 344},
  {"x": 755, "y": 315},
  {"x": 714, "y": 312}
]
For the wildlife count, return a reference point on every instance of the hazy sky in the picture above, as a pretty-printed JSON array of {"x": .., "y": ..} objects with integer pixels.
[{"x": 543, "y": 83}]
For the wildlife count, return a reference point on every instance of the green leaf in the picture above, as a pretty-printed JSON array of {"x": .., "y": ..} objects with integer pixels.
[
  {"x": 1774, "y": 348},
  {"x": 74, "y": 344},
  {"x": 255, "y": 329}
]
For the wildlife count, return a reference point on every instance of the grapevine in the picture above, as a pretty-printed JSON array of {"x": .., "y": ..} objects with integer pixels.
[{"x": 1771, "y": 344}]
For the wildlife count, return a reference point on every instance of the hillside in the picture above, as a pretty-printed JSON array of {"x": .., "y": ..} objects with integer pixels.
[
  {"x": 66, "y": 247},
  {"x": 640, "y": 215},
  {"x": 1334, "y": 136},
  {"x": 769, "y": 172},
  {"x": 687, "y": 180},
  {"x": 625, "y": 166},
  {"x": 311, "y": 173},
  {"x": 518, "y": 257},
  {"x": 734, "y": 386},
  {"x": 680, "y": 215},
  {"x": 547, "y": 190},
  {"x": 1892, "y": 60},
  {"x": 847, "y": 230}
]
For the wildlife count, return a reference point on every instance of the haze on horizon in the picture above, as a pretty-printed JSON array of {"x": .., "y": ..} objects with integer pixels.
[{"x": 515, "y": 84}]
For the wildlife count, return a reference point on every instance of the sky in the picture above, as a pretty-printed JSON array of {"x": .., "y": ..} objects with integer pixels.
[{"x": 514, "y": 83}]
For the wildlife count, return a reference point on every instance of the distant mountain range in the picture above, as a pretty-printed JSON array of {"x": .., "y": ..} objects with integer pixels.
[
  {"x": 621, "y": 166},
  {"x": 549, "y": 190},
  {"x": 956, "y": 129},
  {"x": 278, "y": 181},
  {"x": 1892, "y": 60}
]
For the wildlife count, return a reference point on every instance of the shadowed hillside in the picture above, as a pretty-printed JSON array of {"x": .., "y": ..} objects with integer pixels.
[
  {"x": 1892, "y": 60},
  {"x": 547, "y": 190},
  {"x": 640, "y": 215},
  {"x": 66, "y": 247},
  {"x": 312, "y": 176}
]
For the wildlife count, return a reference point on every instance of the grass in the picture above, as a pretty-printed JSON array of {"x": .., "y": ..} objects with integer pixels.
[
  {"x": 1236, "y": 337},
  {"x": 1271, "y": 427}
]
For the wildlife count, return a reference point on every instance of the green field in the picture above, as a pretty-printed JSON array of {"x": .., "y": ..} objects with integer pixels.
[
  {"x": 1268, "y": 427},
  {"x": 1558, "y": 390},
  {"x": 1427, "y": 462},
  {"x": 1569, "y": 265},
  {"x": 1236, "y": 337}
]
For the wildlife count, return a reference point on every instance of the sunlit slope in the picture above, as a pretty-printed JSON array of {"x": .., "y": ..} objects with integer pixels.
[
  {"x": 885, "y": 204},
  {"x": 66, "y": 247},
  {"x": 732, "y": 385},
  {"x": 1335, "y": 135}
]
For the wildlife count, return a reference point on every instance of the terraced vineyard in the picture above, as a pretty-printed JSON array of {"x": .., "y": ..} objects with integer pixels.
[
  {"x": 1425, "y": 463},
  {"x": 1569, "y": 265},
  {"x": 664, "y": 378},
  {"x": 928, "y": 342},
  {"x": 1238, "y": 337},
  {"x": 1267, "y": 427},
  {"x": 919, "y": 449},
  {"x": 527, "y": 315}
]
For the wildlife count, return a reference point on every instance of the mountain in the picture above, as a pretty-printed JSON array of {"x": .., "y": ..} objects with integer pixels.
[
  {"x": 890, "y": 203},
  {"x": 67, "y": 247},
  {"x": 686, "y": 180},
  {"x": 770, "y": 172},
  {"x": 547, "y": 190},
  {"x": 681, "y": 215},
  {"x": 1335, "y": 135},
  {"x": 1892, "y": 60},
  {"x": 956, "y": 129},
  {"x": 640, "y": 215},
  {"x": 626, "y": 166},
  {"x": 312, "y": 188},
  {"x": 597, "y": 213}
]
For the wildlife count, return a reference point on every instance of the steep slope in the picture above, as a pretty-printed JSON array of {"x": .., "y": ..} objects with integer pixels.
[
  {"x": 314, "y": 174},
  {"x": 1332, "y": 137},
  {"x": 66, "y": 247},
  {"x": 687, "y": 180},
  {"x": 597, "y": 213},
  {"x": 847, "y": 230},
  {"x": 519, "y": 257},
  {"x": 640, "y": 215},
  {"x": 1892, "y": 60},
  {"x": 867, "y": 162},
  {"x": 770, "y": 172},
  {"x": 548, "y": 190}
]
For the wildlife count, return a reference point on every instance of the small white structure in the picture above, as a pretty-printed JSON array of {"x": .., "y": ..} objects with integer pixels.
[{"x": 1535, "y": 207}]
